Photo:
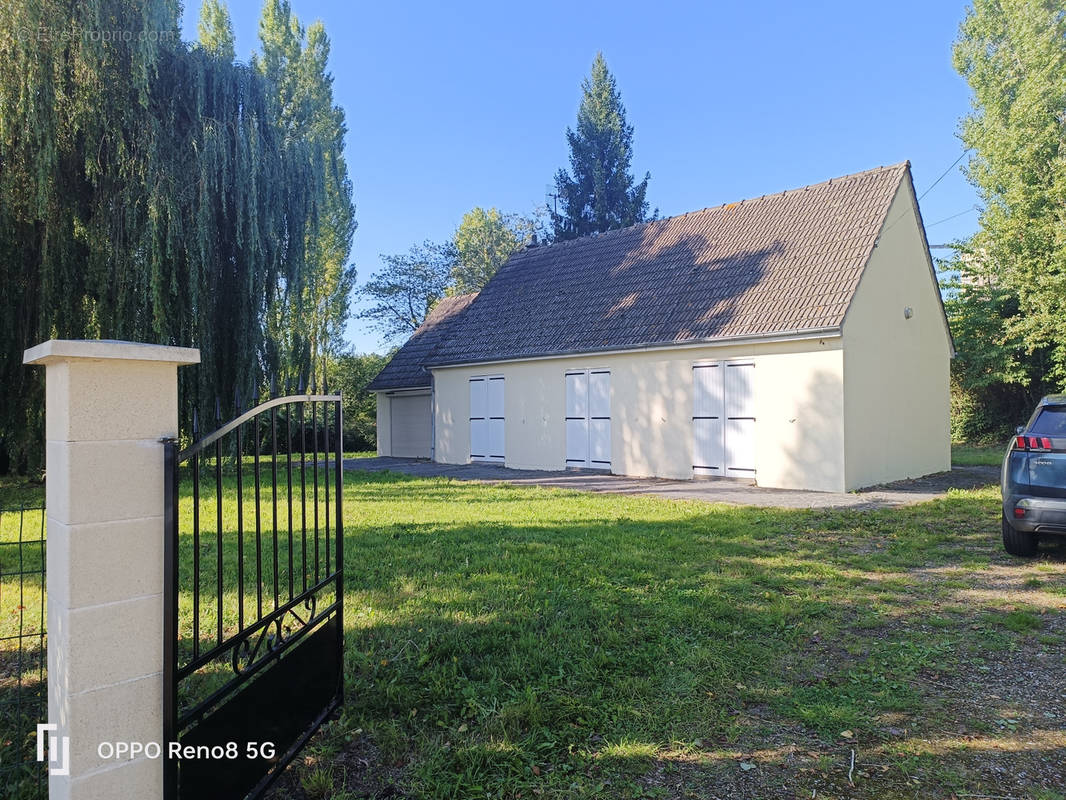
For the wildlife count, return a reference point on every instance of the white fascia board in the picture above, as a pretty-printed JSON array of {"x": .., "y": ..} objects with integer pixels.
[{"x": 411, "y": 390}]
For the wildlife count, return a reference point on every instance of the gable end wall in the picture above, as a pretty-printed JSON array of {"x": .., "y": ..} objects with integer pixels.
[{"x": 896, "y": 370}]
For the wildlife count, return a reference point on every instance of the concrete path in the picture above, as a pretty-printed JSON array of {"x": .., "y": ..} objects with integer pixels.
[{"x": 711, "y": 490}]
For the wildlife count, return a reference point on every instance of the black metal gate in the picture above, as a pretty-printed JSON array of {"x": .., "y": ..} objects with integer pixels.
[
  {"x": 254, "y": 591},
  {"x": 23, "y": 652}
]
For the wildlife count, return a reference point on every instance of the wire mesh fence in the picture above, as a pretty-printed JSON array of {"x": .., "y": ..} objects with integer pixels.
[{"x": 23, "y": 648}]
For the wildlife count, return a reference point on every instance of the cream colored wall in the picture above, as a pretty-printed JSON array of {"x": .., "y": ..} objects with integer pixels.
[
  {"x": 108, "y": 408},
  {"x": 896, "y": 412},
  {"x": 799, "y": 407},
  {"x": 384, "y": 425}
]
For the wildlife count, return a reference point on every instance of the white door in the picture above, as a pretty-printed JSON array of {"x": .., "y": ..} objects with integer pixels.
[
  {"x": 740, "y": 418},
  {"x": 486, "y": 419},
  {"x": 707, "y": 424},
  {"x": 577, "y": 419},
  {"x": 410, "y": 425},
  {"x": 600, "y": 419},
  {"x": 723, "y": 419},
  {"x": 588, "y": 419},
  {"x": 494, "y": 396}
]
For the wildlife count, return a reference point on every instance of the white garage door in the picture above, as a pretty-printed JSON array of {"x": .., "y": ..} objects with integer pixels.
[
  {"x": 411, "y": 426},
  {"x": 588, "y": 419},
  {"x": 723, "y": 419},
  {"x": 486, "y": 419}
]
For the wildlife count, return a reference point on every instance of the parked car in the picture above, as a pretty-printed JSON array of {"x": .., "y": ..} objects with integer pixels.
[{"x": 1034, "y": 479}]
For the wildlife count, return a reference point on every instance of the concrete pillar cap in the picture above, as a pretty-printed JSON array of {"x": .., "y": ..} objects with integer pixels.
[{"x": 56, "y": 350}]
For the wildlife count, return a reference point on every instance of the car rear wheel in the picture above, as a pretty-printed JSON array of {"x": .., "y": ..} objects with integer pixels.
[{"x": 1018, "y": 543}]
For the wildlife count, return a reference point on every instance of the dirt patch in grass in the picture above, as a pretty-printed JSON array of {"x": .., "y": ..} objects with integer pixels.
[
  {"x": 974, "y": 476},
  {"x": 340, "y": 765}
]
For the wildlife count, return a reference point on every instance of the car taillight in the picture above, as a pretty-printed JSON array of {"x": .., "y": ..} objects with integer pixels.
[
  {"x": 1019, "y": 513},
  {"x": 1032, "y": 443}
]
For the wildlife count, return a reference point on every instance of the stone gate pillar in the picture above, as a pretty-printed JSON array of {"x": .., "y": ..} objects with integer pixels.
[{"x": 108, "y": 405}]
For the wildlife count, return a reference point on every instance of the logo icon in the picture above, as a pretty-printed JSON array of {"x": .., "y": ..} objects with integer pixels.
[{"x": 58, "y": 749}]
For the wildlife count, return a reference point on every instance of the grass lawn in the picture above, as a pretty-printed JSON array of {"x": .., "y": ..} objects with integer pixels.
[
  {"x": 970, "y": 455},
  {"x": 514, "y": 642}
]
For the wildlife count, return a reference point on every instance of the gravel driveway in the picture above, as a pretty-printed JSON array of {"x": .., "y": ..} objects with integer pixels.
[{"x": 711, "y": 490}]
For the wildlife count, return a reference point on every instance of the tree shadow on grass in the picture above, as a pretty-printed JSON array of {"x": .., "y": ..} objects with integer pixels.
[
  {"x": 503, "y": 640},
  {"x": 572, "y": 644}
]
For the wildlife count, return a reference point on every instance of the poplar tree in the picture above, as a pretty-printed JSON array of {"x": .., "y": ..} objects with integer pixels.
[
  {"x": 308, "y": 320},
  {"x": 215, "y": 30},
  {"x": 1013, "y": 55},
  {"x": 599, "y": 193}
]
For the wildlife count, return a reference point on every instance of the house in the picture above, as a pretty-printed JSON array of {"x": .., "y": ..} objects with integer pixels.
[
  {"x": 798, "y": 340},
  {"x": 403, "y": 387}
]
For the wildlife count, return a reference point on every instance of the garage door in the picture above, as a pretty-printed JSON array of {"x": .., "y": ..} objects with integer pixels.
[
  {"x": 723, "y": 419},
  {"x": 588, "y": 419},
  {"x": 411, "y": 426},
  {"x": 486, "y": 419}
]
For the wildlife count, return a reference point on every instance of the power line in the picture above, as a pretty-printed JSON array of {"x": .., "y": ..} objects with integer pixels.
[
  {"x": 953, "y": 216},
  {"x": 945, "y": 172}
]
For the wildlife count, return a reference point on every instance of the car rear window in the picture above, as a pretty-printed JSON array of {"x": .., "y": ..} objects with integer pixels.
[{"x": 1051, "y": 421}]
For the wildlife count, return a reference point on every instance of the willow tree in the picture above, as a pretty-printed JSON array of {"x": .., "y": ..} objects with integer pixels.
[
  {"x": 75, "y": 151},
  {"x": 148, "y": 190}
]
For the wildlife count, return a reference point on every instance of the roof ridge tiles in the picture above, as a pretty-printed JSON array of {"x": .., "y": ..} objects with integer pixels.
[{"x": 742, "y": 201}]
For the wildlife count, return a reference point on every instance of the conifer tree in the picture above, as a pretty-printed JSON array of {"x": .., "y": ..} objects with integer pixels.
[{"x": 599, "y": 192}]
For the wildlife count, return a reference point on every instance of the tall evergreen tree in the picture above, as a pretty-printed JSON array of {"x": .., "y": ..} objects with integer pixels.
[
  {"x": 599, "y": 193},
  {"x": 215, "y": 30}
]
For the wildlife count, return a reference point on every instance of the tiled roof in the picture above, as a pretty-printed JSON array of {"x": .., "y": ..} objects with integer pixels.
[
  {"x": 406, "y": 370},
  {"x": 778, "y": 264}
]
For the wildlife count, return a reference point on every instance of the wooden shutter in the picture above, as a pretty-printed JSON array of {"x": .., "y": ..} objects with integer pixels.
[
  {"x": 707, "y": 413},
  {"x": 740, "y": 418}
]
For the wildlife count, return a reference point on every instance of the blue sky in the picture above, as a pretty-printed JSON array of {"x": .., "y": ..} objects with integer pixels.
[{"x": 454, "y": 105}]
